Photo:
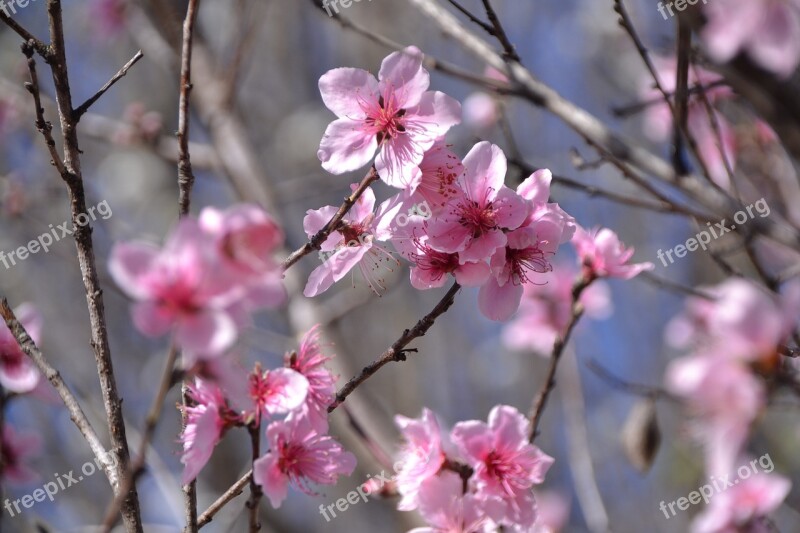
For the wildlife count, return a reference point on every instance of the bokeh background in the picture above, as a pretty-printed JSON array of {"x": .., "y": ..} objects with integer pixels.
[{"x": 258, "y": 117}]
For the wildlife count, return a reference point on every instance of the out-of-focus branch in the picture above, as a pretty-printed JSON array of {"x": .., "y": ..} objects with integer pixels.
[
  {"x": 235, "y": 490},
  {"x": 52, "y": 375},
  {"x": 84, "y": 107},
  {"x": 397, "y": 352},
  {"x": 316, "y": 241}
]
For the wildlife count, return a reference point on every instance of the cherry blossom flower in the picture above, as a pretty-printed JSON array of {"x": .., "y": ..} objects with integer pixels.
[
  {"x": 473, "y": 222},
  {"x": 546, "y": 309},
  {"x": 300, "y": 456},
  {"x": 180, "y": 287},
  {"x": 480, "y": 111},
  {"x": 446, "y": 509},
  {"x": 352, "y": 244},
  {"x": 246, "y": 237},
  {"x": 740, "y": 321},
  {"x": 395, "y": 114},
  {"x": 310, "y": 362},
  {"x": 505, "y": 464},
  {"x": 17, "y": 372},
  {"x": 441, "y": 169},
  {"x": 740, "y": 507},
  {"x": 552, "y": 512},
  {"x": 208, "y": 416},
  {"x": 421, "y": 458},
  {"x": 275, "y": 391},
  {"x": 603, "y": 255},
  {"x": 16, "y": 450},
  {"x": 767, "y": 30}
]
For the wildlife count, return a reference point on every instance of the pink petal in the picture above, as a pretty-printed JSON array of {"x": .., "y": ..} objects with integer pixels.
[
  {"x": 206, "y": 332},
  {"x": 346, "y": 146},
  {"x": 499, "y": 303},
  {"x": 484, "y": 171},
  {"x": 345, "y": 91},
  {"x": 403, "y": 76},
  {"x": 152, "y": 319},
  {"x": 434, "y": 115},
  {"x": 481, "y": 248},
  {"x": 536, "y": 187},
  {"x": 472, "y": 274},
  {"x": 267, "y": 473},
  {"x": 206, "y": 437},
  {"x": 128, "y": 263}
]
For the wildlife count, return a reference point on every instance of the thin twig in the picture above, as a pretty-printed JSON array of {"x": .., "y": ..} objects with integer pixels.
[
  {"x": 84, "y": 107},
  {"x": 255, "y": 490},
  {"x": 540, "y": 402},
  {"x": 235, "y": 490},
  {"x": 486, "y": 27},
  {"x": 41, "y": 48},
  {"x": 509, "y": 51},
  {"x": 397, "y": 351},
  {"x": 70, "y": 401},
  {"x": 185, "y": 175},
  {"x": 636, "y": 389},
  {"x": 315, "y": 243}
]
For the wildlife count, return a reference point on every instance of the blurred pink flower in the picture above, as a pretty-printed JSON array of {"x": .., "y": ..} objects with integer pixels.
[
  {"x": 207, "y": 418},
  {"x": 603, "y": 255},
  {"x": 552, "y": 512},
  {"x": 109, "y": 15},
  {"x": 352, "y": 244},
  {"x": 480, "y": 111},
  {"x": 298, "y": 455},
  {"x": 275, "y": 391},
  {"x": 179, "y": 286},
  {"x": 421, "y": 457},
  {"x": 446, "y": 509},
  {"x": 739, "y": 508},
  {"x": 472, "y": 223},
  {"x": 546, "y": 308},
  {"x": 768, "y": 30},
  {"x": 505, "y": 464},
  {"x": 396, "y": 115},
  {"x": 309, "y": 361},
  {"x": 17, "y": 450},
  {"x": 17, "y": 372}
]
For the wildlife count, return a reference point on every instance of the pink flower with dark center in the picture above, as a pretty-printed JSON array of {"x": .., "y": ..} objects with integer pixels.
[
  {"x": 421, "y": 457},
  {"x": 17, "y": 449},
  {"x": 310, "y": 362},
  {"x": 180, "y": 287},
  {"x": 505, "y": 464},
  {"x": 603, "y": 255},
  {"x": 441, "y": 169},
  {"x": 276, "y": 391},
  {"x": 397, "y": 116},
  {"x": 299, "y": 456},
  {"x": 246, "y": 238},
  {"x": 473, "y": 223},
  {"x": 447, "y": 509},
  {"x": 208, "y": 416},
  {"x": 353, "y": 244},
  {"x": 17, "y": 372}
]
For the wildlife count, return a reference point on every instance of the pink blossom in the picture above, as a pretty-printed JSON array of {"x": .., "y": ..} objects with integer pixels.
[
  {"x": 246, "y": 237},
  {"x": 473, "y": 222},
  {"x": 768, "y": 30},
  {"x": 395, "y": 114},
  {"x": 527, "y": 251},
  {"x": 603, "y": 255},
  {"x": 207, "y": 418},
  {"x": 740, "y": 321},
  {"x": 441, "y": 169},
  {"x": 276, "y": 391},
  {"x": 309, "y": 361},
  {"x": 505, "y": 464},
  {"x": 481, "y": 111},
  {"x": 17, "y": 449},
  {"x": 446, "y": 509},
  {"x": 352, "y": 244},
  {"x": 740, "y": 507},
  {"x": 180, "y": 287},
  {"x": 546, "y": 309},
  {"x": 421, "y": 457},
  {"x": 17, "y": 372},
  {"x": 724, "y": 397},
  {"x": 298, "y": 455},
  {"x": 552, "y": 512}
]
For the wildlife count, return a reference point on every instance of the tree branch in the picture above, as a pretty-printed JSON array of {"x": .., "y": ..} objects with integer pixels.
[{"x": 84, "y": 107}]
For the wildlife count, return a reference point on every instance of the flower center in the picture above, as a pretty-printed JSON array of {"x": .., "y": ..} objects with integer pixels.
[
  {"x": 480, "y": 219},
  {"x": 386, "y": 121}
]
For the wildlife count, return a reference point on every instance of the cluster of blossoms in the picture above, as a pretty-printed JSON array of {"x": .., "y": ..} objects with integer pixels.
[
  {"x": 734, "y": 341},
  {"x": 18, "y": 375},
  {"x": 300, "y": 452},
  {"x": 206, "y": 280},
  {"x": 476, "y": 478}
]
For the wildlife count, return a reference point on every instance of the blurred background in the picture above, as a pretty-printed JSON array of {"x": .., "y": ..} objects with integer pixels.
[{"x": 256, "y": 125}]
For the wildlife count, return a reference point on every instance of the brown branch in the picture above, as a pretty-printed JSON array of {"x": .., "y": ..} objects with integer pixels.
[
  {"x": 636, "y": 389},
  {"x": 508, "y": 48},
  {"x": 235, "y": 490},
  {"x": 255, "y": 490},
  {"x": 315, "y": 243},
  {"x": 84, "y": 107},
  {"x": 85, "y": 249},
  {"x": 475, "y": 20},
  {"x": 54, "y": 377},
  {"x": 41, "y": 48},
  {"x": 558, "y": 349},
  {"x": 397, "y": 351},
  {"x": 185, "y": 175}
]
